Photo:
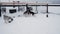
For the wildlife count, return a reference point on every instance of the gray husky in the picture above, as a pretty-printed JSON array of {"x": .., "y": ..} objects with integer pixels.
[{"x": 7, "y": 19}]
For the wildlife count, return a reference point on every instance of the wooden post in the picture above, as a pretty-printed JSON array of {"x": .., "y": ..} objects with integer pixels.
[
  {"x": 36, "y": 7},
  {"x": 0, "y": 10},
  {"x": 18, "y": 5},
  {"x": 47, "y": 10},
  {"x": 13, "y": 4}
]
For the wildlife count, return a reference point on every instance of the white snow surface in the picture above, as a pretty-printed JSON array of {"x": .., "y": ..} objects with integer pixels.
[{"x": 38, "y": 24}]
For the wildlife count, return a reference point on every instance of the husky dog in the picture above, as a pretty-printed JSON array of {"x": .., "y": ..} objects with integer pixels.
[
  {"x": 7, "y": 19},
  {"x": 29, "y": 10}
]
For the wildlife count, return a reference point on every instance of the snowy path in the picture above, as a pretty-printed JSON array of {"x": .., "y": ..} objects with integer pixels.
[
  {"x": 39, "y": 24},
  {"x": 26, "y": 25}
]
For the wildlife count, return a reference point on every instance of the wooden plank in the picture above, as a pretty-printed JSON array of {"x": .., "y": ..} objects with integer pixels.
[{"x": 21, "y": 3}]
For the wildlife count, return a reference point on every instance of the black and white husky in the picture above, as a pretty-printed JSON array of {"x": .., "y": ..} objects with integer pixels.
[
  {"x": 29, "y": 10},
  {"x": 7, "y": 19}
]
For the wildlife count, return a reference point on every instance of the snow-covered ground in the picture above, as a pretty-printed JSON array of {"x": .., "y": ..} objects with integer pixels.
[{"x": 38, "y": 24}]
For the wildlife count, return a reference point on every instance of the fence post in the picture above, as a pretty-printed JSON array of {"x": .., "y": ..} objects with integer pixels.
[
  {"x": 13, "y": 4},
  {"x": 36, "y": 7},
  {"x": 0, "y": 9},
  {"x": 47, "y": 10},
  {"x": 18, "y": 5}
]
